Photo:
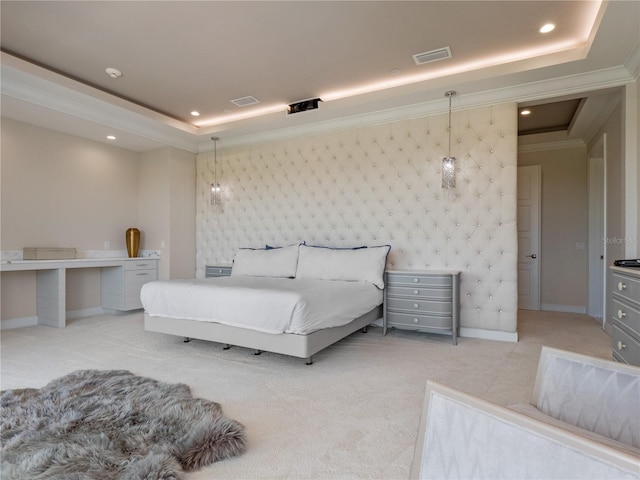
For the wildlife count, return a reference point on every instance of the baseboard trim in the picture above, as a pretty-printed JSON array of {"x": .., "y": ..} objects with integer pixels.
[
  {"x": 552, "y": 307},
  {"x": 84, "y": 312},
  {"x": 489, "y": 334},
  {"x": 22, "y": 322}
]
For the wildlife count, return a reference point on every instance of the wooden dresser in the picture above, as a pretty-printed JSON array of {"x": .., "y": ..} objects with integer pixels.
[{"x": 626, "y": 315}]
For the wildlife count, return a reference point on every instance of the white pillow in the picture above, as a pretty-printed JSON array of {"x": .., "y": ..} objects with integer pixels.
[
  {"x": 271, "y": 262},
  {"x": 359, "y": 264}
]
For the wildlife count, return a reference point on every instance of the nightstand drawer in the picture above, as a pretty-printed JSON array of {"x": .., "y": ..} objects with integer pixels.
[
  {"x": 406, "y": 320},
  {"x": 626, "y": 287},
  {"x": 420, "y": 306},
  {"x": 625, "y": 347},
  {"x": 419, "y": 291},
  {"x": 627, "y": 315},
  {"x": 217, "y": 271},
  {"x": 418, "y": 279}
]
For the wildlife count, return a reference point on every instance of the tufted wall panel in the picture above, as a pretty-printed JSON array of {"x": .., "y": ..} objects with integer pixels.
[{"x": 381, "y": 185}]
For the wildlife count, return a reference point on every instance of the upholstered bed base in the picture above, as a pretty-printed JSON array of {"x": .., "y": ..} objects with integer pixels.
[{"x": 302, "y": 346}]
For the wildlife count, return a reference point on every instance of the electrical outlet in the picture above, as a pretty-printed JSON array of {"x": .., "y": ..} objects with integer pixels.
[
  {"x": 107, "y": 244},
  {"x": 581, "y": 246},
  {"x": 161, "y": 243}
]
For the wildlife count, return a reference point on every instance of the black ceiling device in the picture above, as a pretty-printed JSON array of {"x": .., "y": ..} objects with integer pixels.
[{"x": 303, "y": 106}]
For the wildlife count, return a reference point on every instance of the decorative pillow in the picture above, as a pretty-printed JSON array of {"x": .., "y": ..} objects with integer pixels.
[
  {"x": 356, "y": 265},
  {"x": 272, "y": 262}
]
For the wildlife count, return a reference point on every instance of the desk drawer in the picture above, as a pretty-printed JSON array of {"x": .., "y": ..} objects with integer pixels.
[
  {"x": 625, "y": 347},
  {"x": 140, "y": 264},
  {"x": 137, "y": 278},
  {"x": 406, "y": 320}
]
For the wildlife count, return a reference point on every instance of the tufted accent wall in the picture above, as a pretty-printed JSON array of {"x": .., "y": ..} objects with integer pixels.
[{"x": 381, "y": 185}]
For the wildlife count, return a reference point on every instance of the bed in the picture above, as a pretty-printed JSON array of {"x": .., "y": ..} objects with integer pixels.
[{"x": 294, "y": 300}]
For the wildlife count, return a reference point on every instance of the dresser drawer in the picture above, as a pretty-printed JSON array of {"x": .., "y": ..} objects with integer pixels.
[
  {"x": 217, "y": 271},
  {"x": 626, "y": 287},
  {"x": 627, "y": 315},
  {"x": 625, "y": 348},
  {"x": 406, "y": 320},
  {"x": 140, "y": 265},
  {"x": 420, "y": 306},
  {"x": 419, "y": 291},
  {"x": 394, "y": 279}
]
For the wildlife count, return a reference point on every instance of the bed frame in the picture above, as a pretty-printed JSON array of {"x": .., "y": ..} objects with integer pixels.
[{"x": 295, "y": 345}]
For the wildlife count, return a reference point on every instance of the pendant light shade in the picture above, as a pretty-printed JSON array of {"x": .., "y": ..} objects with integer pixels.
[
  {"x": 449, "y": 162},
  {"x": 216, "y": 190}
]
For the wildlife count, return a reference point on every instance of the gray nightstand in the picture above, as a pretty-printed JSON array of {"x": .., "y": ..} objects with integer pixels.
[
  {"x": 423, "y": 300},
  {"x": 217, "y": 271}
]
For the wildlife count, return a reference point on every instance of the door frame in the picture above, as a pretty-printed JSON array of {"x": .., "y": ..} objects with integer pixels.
[{"x": 597, "y": 268}]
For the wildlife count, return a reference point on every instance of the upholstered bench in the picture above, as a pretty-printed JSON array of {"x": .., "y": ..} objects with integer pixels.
[
  {"x": 465, "y": 437},
  {"x": 588, "y": 396}
]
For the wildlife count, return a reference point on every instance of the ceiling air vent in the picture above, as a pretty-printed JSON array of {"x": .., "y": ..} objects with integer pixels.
[
  {"x": 432, "y": 56},
  {"x": 245, "y": 101}
]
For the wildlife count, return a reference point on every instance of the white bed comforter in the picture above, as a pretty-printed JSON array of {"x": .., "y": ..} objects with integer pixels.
[{"x": 271, "y": 305}]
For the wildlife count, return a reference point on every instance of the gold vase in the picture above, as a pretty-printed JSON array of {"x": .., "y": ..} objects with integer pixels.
[{"x": 133, "y": 242}]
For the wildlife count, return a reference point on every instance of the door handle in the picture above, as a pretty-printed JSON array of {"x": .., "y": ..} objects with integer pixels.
[{"x": 533, "y": 255}]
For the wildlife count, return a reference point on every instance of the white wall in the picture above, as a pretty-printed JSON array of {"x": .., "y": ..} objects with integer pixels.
[
  {"x": 377, "y": 185},
  {"x": 59, "y": 190},
  {"x": 167, "y": 209}
]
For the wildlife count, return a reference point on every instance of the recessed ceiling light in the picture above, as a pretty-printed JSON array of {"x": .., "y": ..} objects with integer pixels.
[
  {"x": 549, "y": 27},
  {"x": 525, "y": 112},
  {"x": 195, "y": 113},
  {"x": 111, "y": 137},
  {"x": 113, "y": 72}
]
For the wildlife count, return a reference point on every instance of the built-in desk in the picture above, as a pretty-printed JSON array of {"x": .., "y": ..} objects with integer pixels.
[{"x": 52, "y": 284}]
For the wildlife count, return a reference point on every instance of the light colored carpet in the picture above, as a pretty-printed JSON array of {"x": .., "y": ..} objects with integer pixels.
[{"x": 353, "y": 414}]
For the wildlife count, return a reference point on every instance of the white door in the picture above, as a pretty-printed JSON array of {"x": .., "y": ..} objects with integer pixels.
[{"x": 529, "y": 185}]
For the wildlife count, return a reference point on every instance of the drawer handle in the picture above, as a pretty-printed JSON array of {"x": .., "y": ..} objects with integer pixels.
[
  {"x": 415, "y": 320},
  {"x": 621, "y": 346},
  {"x": 141, "y": 264},
  {"x": 621, "y": 314},
  {"x": 416, "y": 292},
  {"x": 141, "y": 274},
  {"x": 621, "y": 286},
  {"x": 416, "y": 280},
  {"x": 415, "y": 305},
  {"x": 220, "y": 271}
]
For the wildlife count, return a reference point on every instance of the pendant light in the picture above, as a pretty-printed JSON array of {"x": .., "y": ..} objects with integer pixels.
[
  {"x": 216, "y": 190},
  {"x": 449, "y": 162}
]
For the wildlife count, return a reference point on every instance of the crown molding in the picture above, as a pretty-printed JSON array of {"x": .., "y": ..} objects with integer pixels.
[
  {"x": 555, "y": 145},
  {"x": 557, "y": 87}
]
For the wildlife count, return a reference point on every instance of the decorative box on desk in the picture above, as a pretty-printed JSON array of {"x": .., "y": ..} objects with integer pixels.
[
  {"x": 626, "y": 315},
  {"x": 424, "y": 300},
  {"x": 217, "y": 271}
]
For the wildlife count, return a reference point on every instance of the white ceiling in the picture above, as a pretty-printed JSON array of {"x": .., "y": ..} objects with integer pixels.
[{"x": 354, "y": 55}]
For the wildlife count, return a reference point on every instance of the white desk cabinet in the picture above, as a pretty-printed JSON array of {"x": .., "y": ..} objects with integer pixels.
[
  {"x": 424, "y": 300},
  {"x": 121, "y": 285},
  {"x": 626, "y": 315}
]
